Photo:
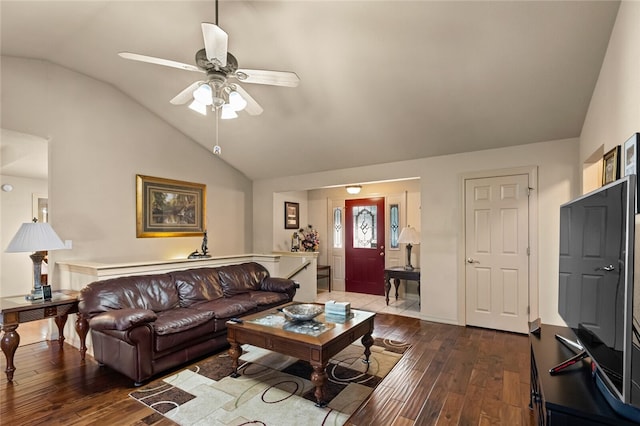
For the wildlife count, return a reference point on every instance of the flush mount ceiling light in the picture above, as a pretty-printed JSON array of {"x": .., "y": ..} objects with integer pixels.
[{"x": 354, "y": 189}]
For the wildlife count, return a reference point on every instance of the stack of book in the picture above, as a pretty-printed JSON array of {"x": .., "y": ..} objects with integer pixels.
[{"x": 337, "y": 309}]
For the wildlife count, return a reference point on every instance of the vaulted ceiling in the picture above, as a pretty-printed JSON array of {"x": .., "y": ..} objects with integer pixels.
[{"x": 380, "y": 81}]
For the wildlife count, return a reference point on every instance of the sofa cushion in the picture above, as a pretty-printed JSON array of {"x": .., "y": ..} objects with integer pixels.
[
  {"x": 265, "y": 298},
  {"x": 154, "y": 292},
  {"x": 238, "y": 279},
  {"x": 227, "y": 308},
  {"x": 197, "y": 285},
  {"x": 180, "y": 319},
  {"x": 166, "y": 344},
  {"x": 122, "y": 319}
]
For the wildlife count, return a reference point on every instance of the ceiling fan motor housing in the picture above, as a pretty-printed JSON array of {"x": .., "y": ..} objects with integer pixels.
[{"x": 205, "y": 64}]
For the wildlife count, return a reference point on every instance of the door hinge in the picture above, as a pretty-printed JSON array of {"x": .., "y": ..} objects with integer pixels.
[
  {"x": 529, "y": 189},
  {"x": 528, "y": 310},
  {"x": 528, "y": 251}
]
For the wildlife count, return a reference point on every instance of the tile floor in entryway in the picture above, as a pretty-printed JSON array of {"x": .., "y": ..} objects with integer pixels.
[{"x": 369, "y": 302}]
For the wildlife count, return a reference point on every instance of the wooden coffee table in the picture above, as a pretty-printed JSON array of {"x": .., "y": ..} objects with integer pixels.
[{"x": 269, "y": 330}]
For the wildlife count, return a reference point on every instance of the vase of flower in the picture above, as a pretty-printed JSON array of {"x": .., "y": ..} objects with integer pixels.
[{"x": 309, "y": 239}]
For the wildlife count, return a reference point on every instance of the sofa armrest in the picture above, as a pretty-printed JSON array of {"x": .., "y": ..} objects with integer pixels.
[
  {"x": 279, "y": 285},
  {"x": 122, "y": 319}
]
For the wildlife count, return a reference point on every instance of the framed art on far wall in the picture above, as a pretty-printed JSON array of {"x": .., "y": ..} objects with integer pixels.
[
  {"x": 630, "y": 159},
  {"x": 630, "y": 155},
  {"x": 291, "y": 215},
  {"x": 610, "y": 166},
  {"x": 169, "y": 208}
]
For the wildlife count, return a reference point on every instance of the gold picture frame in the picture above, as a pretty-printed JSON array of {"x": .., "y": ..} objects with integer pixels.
[
  {"x": 611, "y": 166},
  {"x": 169, "y": 208}
]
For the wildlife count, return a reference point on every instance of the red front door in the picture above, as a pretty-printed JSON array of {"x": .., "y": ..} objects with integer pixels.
[{"x": 364, "y": 235}]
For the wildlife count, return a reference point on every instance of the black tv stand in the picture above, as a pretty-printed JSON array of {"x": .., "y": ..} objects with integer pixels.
[
  {"x": 570, "y": 398},
  {"x": 579, "y": 351}
]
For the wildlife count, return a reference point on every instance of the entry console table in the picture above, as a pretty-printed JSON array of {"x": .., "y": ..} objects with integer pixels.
[
  {"x": 16, "y": 310},
  {"x": 397, "y": 274},
  {"x": 569, "y": 397}
]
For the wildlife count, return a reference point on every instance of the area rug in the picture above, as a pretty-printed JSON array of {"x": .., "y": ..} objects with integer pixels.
[{"x": 272, "y": 390}]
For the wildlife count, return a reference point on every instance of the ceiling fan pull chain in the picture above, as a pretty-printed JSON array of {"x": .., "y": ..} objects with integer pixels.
[{"x": 216, "y": 149}]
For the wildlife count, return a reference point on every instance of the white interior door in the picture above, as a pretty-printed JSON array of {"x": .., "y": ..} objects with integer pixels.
[{"x": 496, "y": 252}]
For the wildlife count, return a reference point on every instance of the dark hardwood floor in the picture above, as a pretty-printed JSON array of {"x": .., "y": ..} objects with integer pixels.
[{"x": 451, "y": 375}]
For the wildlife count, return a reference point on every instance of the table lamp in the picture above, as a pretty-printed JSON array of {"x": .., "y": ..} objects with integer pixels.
[
  {"x": 37, "y": 238},
  {"x": 409, "y": 236}
]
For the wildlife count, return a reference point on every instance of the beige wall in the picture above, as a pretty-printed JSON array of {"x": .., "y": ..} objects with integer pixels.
[
  {"x": 614, "y": 111},
  {"x": 440, "y": 214},
  {"x": 16, "y": 269},
  {"x": 99, "y": 140},
  {"x": 281, "y": 236}
]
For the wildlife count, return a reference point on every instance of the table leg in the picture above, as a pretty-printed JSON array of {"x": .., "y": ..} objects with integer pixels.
[
  {"x": 82, "y": 328},
  {"x": 60, "y": 322},
  {"x": 235, "y": 351},
  {"x": 396, "y": 283},
  {"x": 9, "y": 344},
  {"x": 367, "y": 342},
  {"x": 387, "y": 287},
  {"x": 319, "y": 379}
]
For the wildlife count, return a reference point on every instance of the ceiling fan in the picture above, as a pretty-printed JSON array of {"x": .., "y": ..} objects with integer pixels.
[{"x": 219, "y": 90}]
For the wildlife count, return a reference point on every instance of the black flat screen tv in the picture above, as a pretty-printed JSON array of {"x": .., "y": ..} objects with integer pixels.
[{"x": 596, "y": 287}]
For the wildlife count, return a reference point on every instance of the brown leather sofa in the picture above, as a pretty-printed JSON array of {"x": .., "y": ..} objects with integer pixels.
[{"x": 143, "y": 325}]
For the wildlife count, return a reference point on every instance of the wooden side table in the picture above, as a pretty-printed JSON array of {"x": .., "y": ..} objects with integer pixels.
[
  {"x": 397, "y": 274},
  {"x": 16, "y": 310},
  {"x": 324, "y": 271}
]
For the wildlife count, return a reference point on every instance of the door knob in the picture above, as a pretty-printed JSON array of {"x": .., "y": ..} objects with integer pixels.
[
  {"x": 472, "y": 260},
  {"x": 381, "y": 253}
]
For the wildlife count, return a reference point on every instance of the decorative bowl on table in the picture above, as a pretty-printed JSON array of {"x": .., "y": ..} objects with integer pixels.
[{"x": 302, "y": 311}]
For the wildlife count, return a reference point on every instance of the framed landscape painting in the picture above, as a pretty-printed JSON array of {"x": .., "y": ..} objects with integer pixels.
[{"x": 169, "y": 208}]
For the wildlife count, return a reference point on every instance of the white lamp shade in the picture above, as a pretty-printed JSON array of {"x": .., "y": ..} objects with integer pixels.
[
  {"x": 35, "y": 236},
  {"x": 237, "y": 101},
  {"x": 203, "y": 94},
  {"x": 409, "y": 235},
  {"x": 228, "y": 112},
  {"x": 198, "y": 107}
]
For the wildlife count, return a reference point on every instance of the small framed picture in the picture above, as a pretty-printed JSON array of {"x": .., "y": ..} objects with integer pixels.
[
  {"x": 630, "y": 155},
  {"x": 291, "y": 215},
  {"x": 46, "y": 292},
  {"x": 610, "y": 166}
]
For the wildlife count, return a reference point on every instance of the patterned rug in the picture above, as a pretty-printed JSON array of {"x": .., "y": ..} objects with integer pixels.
[{"x": 273, "y": 389}]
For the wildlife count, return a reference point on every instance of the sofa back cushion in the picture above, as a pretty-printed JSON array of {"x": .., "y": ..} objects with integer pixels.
[
  {"x": 154, "y": 292},
  {"x": 237, "y": 279},
  {"x": 197, "y": 285}
]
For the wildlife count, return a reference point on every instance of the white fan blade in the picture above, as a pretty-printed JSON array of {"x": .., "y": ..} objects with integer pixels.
[
  {"x": 253, "y": 107},
  {"x": 158, "y": 61},
  {"x": 275, "y": 78},
  {"x": 186, "y": 95},
  {"x": 215, "y": 43}
]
